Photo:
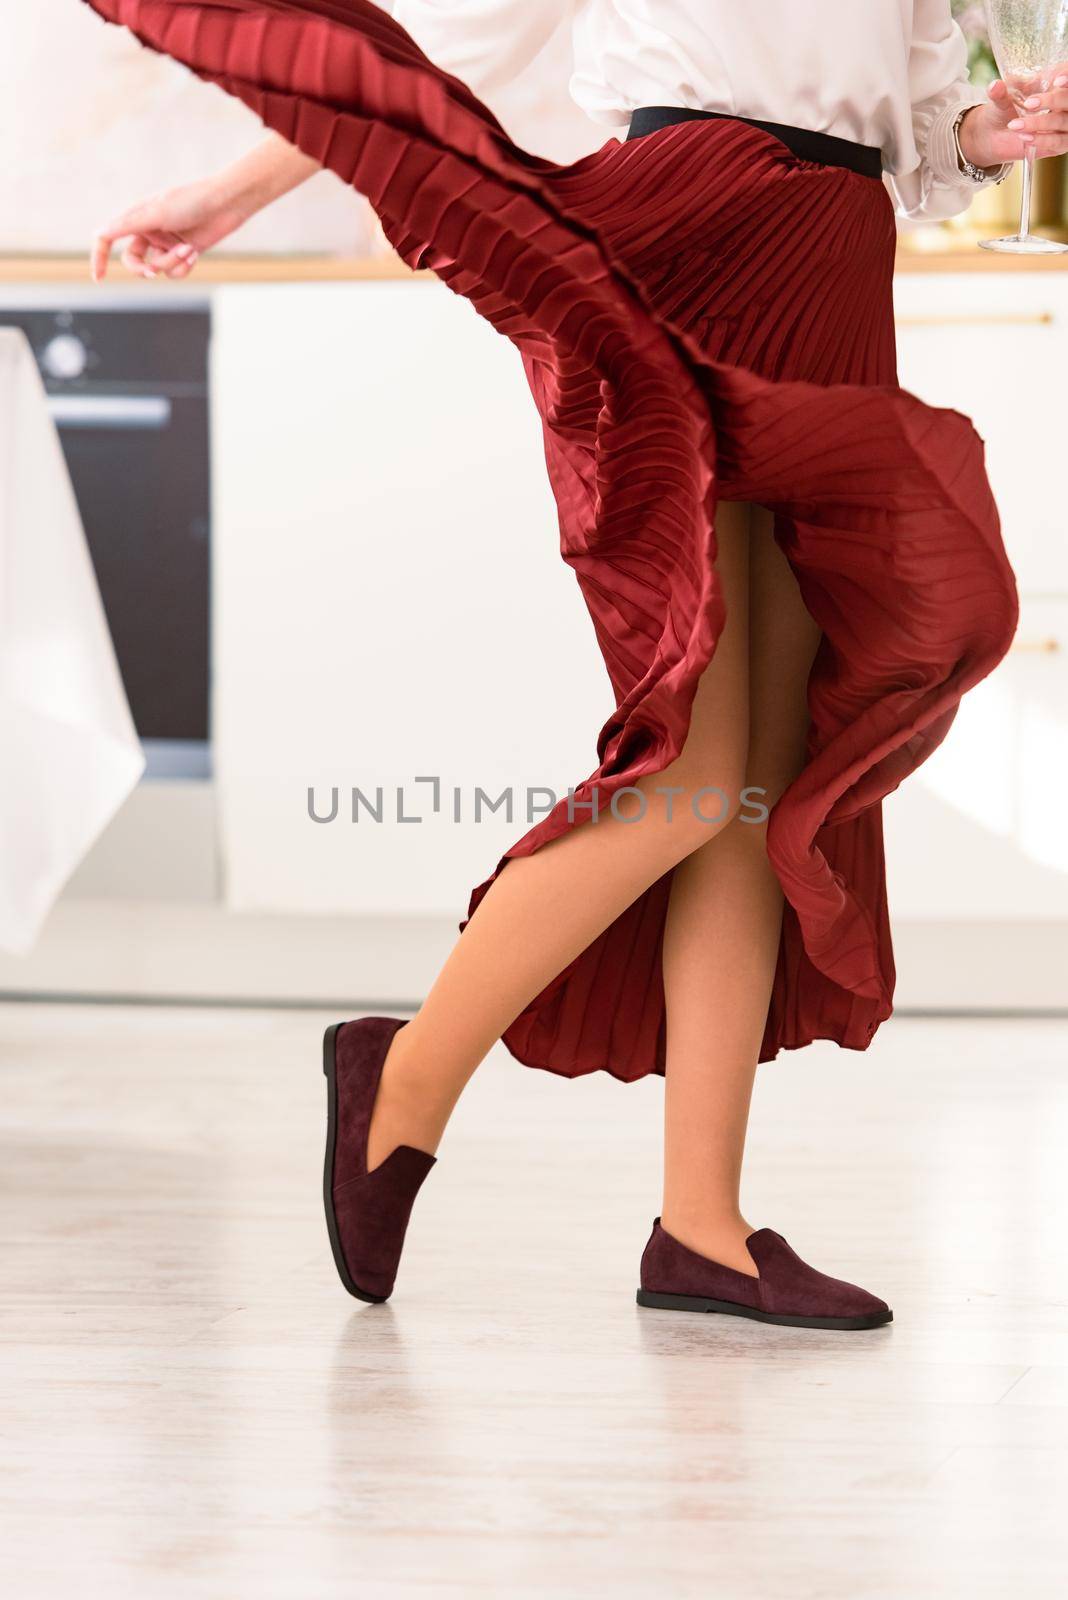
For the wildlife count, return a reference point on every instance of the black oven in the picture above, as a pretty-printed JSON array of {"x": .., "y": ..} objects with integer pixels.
[{"x": 127, "y": 386}]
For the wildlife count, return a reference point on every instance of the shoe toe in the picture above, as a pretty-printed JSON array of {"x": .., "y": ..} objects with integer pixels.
[{"x": 858, "y": 1302}]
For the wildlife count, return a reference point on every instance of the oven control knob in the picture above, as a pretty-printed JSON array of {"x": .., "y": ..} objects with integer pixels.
[{"x": 65, "y": 356}]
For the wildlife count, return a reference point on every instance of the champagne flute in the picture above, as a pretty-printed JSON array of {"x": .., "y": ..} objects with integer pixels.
[{"x": 1030, "y": 42}]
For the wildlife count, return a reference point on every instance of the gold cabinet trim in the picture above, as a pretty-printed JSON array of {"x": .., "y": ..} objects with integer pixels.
[{"x": 978, "y": 319}]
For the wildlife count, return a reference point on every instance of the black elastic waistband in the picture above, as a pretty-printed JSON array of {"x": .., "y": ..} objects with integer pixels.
[{"x": 805, "y": 143}]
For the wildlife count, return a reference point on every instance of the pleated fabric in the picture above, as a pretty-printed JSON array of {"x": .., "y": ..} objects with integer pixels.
[{"x": 702, "y": 316}]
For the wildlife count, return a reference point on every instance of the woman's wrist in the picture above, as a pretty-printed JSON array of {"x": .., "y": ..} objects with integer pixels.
[
  {"x": 973, "y": 144},
  {"x": 264, "y": 175}
]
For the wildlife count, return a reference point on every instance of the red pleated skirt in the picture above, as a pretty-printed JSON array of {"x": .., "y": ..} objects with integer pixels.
[{"x": 702, "y": 316}]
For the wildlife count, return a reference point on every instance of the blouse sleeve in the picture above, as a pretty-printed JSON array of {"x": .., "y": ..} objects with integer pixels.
[
  {"x": 939, "y": 87},
  {"x": 487, "y": 43}
]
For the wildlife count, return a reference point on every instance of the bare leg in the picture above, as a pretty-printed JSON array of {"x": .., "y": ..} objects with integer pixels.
[
  {"x": 721, "y": 941},
  {"x": 545, "y": 909}
]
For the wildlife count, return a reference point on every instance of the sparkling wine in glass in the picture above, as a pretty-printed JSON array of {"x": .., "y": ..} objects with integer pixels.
[{"x": 1030, "y": 44}]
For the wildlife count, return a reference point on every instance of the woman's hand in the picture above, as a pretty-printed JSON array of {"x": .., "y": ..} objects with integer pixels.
[
  {"x": 998, "y": 131},
  {"x": 167, "y": 234}
]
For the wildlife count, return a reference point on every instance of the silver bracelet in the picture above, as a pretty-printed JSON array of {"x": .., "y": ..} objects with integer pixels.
[{"x": 968, "y": 168}]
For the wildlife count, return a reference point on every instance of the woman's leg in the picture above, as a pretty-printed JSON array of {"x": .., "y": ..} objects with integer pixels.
[
  {"x": 544, "y": 909},
  {"x": 721, "y": 941}
]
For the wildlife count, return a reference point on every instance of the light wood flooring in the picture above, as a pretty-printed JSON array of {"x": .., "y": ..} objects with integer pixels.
[{"x": 192, "y": 1407}]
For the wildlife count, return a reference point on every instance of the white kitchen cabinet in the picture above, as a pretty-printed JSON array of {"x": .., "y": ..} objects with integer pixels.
[
  {"x": 389, "y": 598},
  {"x": 978, "y": 831},
  {"x": 995, "y": 346}
]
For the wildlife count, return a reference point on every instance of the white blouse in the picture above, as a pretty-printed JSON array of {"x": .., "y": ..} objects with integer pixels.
[{"x": 889, "y": 73}]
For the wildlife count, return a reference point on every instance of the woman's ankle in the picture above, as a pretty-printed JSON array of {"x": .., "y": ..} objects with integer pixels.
[
  {"x": 715, "y": 1232},
  {"x": 412, "y": 1105}
]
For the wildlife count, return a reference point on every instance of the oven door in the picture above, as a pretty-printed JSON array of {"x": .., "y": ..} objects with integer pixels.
[
  {"x": 140, "y": 469},
  {"x": 127, "y": 380}
]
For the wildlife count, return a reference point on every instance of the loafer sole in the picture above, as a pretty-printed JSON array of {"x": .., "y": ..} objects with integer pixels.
[{"x": 732, "y": 1308}]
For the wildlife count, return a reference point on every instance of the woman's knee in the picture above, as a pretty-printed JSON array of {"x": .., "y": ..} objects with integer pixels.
[{"x": 689, "y": 808}]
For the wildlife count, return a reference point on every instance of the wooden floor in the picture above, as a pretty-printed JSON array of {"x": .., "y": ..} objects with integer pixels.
[{"x": 193, "y": 1407}]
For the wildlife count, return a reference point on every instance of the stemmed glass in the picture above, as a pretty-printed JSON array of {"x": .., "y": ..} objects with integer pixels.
[{"x": 1030, "y": 42}]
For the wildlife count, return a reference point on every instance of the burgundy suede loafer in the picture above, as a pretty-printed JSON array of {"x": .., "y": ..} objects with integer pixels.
[
  {"x": 788, "y": 1291},
  {"x": 366, "y": 1212}
]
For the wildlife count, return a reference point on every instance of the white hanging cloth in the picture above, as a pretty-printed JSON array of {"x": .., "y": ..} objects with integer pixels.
[{"x": 69, "y": 753}]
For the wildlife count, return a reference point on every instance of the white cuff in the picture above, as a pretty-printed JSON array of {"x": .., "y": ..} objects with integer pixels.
[{"x": 941, "y": 151}]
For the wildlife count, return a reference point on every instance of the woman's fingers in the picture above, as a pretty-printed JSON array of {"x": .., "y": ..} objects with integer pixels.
[
  {"x": 148, "y": 254},
  {"x": 1055, "y": 145},
  {"x": 152, "y": 246},
  {"x": 1015, "y": 146},
  {"x": 1038, "y": 145},
  {"x": 100, "y": 254},
  {"x": 174, "y": 256},
  {"x": 131, "y": 223},
  {"x": 1053, "y": 103},
  {"x": 133, "y": 259},
  {"x": 1053, "y": 121},
  {"x": 1044, "y": 122},
  {"x": 184, "y": 266}
]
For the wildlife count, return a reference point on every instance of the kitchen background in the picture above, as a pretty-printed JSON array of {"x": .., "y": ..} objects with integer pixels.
[
  {"x": 300, "y": 499},
  {"x": 271, "y": 557}
]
